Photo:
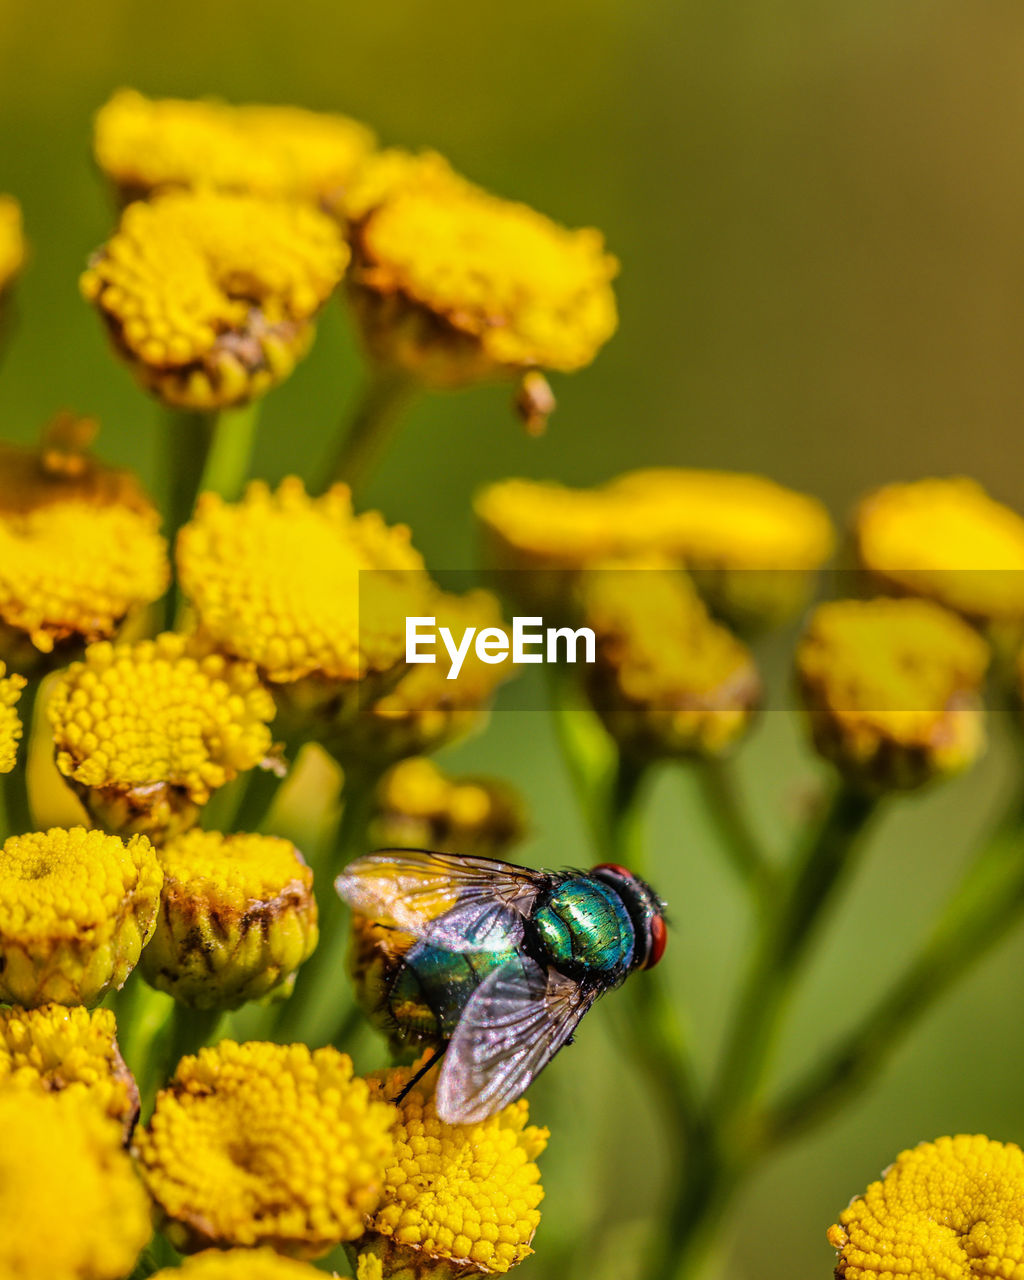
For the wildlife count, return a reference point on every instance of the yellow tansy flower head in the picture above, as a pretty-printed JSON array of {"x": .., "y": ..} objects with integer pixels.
[
  {"x": 457, "y": 286},
  {"x": 80, "y": 547},
  {"x": 240, "y": 1264},
  {"x": 74, "y": 1049},
  {"x": 425, "y": 710},
  {"x": 421, "y": 807},
  {"x": 668, "y": 680},
  {"x": 76, "y": 909},
  {"x": 10, "y": 723},
  {"x": 70, "y": 1199},
  {"x": 12, "y": 243},
  {"x": 146, "y": 144},
  {"x": 946, "y": 1210},
  {"x": 313, "y": 594},
  {"x": 211, "y": 296},
  {"x": 752, "y": 546},
  {"x": 266, "y": 1144},
  {"x": 462, "y": 1196},
  {"x": 946, "y": 540},
  {"x": 892, "y": 690},
  {"x": 237, "y": 919},
  {"x": 147, "y": 732}
]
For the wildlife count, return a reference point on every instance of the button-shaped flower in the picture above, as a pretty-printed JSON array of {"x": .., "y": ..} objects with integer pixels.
[
  {"x": 76, "y": 909},
  {"x": 892, "y": 690},
  {"x": 72, "y": 1203},
  {"x": 458, "y": 1199},
  {"x": 69, "y": 1049},
  {"x": 147, "y": 732},
  {"x": 945, "y": 1209},
  {"x": 211, "y": 296},
  {"x": 80, "y": 548},
  {"x": 147, "y": 144},
  {"x": 10, "y": 723},
  {"x": 313, "y": 594},
  {"x": 948, "y": 541},
  {"x": 241, "y": 1264},
  {"x": 12, "y": 242},
  {"x": 237, "y": 919},
  {"x": 458, "y": 286},
  {"x": 668, "y": 681},
  {"x": 424, "y": 710},
  {"x": 266, "y": 1144},
  {"x": 419, "y": 806}
]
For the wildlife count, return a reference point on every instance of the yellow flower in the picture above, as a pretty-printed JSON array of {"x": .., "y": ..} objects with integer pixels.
[
  {"x": 146, "y": 732},
  {"x": 144, "y": 144},
  {"x": 211, "y": 296},
  {"x": 69, "y": 1049},
  {"x": 462, "y": 1196},
  {"x": 946, "y": 540},
  {"x": 752, "y": 546},
  {"x": 10, "y": 723},
  {"x": 668, "y": 681},
  {"x": 946, "y": 1210},
  {"x": 458, "y": 286},
  {"x": 237, "y": 919},
  {"x": 425, "y": 710},
  {"x": 12, "y": 243},
  {"x": 76, "y": 909},
  {"x": 285, "y": 581},
  {"x": 266, "y": 1144},
  {"x": 69, "y": 1198},
  {"x": 421, "y": 807},
  {"x": 892, "y": 690},
  {"x": 240, "y": 1264},
  {"x": 79, "y": 545}
]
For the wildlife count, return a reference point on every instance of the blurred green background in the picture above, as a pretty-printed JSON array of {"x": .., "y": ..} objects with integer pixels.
[{"x": 818, "y": 208}]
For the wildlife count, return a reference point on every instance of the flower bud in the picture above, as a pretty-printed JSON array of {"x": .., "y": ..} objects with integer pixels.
[{"x": 237, "y": 918}]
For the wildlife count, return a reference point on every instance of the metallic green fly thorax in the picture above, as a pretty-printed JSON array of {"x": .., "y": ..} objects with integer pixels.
[{"x": 584, "y": 925}]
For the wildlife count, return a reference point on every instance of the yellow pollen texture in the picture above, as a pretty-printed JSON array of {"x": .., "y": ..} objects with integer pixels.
[
  {"x": 68, "y": 1049},
  {"x": 237, "y": 918},
  {"x": 240, "y": 1264},
  {"x": 668, "y": 680},
  {"x": 884, "y": 674},
  {"x": 216, "y": 291},
  {"x": 266, "y": 1144},
  {"x": 531, "y": 292},
  {"x": 76, "y": 909},
  {"x": 947, "y": 540},
  {"x": 12, "y": 244},
  {"x": 144, "y": 143},
  {"x": 70, "y": 1199},
  {"x": 75, "y": 568},
  {"x": 160, "y": 712},
  {"x": 10, "y": 723},
  {"x": 276, "y": 578},
  {"x": 468, "y": 1194},
  {"x": 946, "y": 1210}
]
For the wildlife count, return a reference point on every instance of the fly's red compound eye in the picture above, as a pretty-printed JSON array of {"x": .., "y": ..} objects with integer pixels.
[
  {"x": 615, "y": 869},
  {"x": 658, "y": 934}
]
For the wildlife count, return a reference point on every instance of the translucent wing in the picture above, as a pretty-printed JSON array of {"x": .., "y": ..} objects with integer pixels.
[
  {"x": 512, "y": 1026},
  {"x": 458, "y": 903}
]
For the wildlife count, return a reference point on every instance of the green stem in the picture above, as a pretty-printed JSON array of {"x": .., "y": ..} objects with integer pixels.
[
  {"x": 589, "y": 753},
  {"x": 311, "y": 1011},
  {"x": 817, "y": 873},
  {"x": 366, "y": 429},
  {"x": 986, "y": 904},
  {"x": 259, "y": 791},
  {"x": 186, "y": 1031},
  {"x": 232, "y": 436},
  {"x": 739, "y": 841}
]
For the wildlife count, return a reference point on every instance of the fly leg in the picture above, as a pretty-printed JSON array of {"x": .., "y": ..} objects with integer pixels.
[{"x": 434, "y": 1058}]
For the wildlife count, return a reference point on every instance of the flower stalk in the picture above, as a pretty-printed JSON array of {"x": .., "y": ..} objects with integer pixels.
[{"x": 368, "y": 426}]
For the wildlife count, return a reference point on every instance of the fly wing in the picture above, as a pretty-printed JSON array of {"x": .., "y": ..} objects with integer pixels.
[
  {"x": 460, "y": 903},
  {"x": 511, "y": 1028}
]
